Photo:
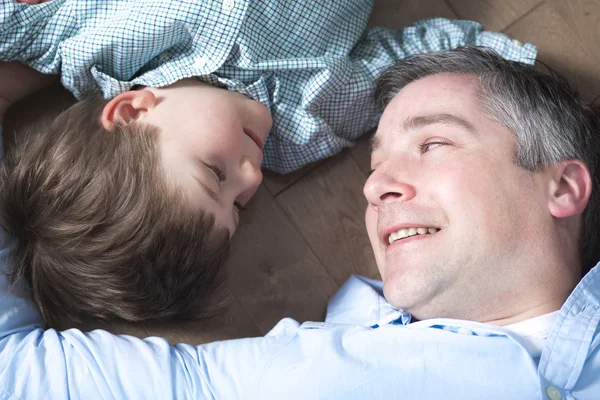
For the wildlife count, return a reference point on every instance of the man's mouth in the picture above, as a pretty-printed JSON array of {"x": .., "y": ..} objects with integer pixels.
[
  {"x": 259, "y": 142},
  {"x": 404, "y": 233}
]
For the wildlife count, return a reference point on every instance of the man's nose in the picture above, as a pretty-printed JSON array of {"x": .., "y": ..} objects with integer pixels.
[{"x": 385, "y": 185}]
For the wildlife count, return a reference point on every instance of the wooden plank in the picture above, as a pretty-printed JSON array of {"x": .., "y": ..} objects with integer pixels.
[
  {"x": 327, "y": 207},
  {"x": 361, "y": 153},
  {"x": 273, "y": 272},
  {"x": 35, "y": 110},
  {"x": 400, "y": 13},
  {"x": 231, "y": 323},
  {"x": 583, "y": 17},
  {"x": 559, "y": 48},
  {"x": 276, "y": 183},
  {"x": 494, "y": 15}
]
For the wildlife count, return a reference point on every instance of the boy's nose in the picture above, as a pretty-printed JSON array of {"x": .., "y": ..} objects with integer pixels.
[{"x": 250, "y": 179}]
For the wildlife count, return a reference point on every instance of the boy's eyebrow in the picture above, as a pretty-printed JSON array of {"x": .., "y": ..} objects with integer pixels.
[{"x": 208, "y": 190}]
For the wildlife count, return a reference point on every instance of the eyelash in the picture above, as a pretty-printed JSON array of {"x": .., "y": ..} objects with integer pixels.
[
  {"x": 221, "y": 177},
  {"x": 426, "y": 144},
  {"x": 218, "y": 171}
]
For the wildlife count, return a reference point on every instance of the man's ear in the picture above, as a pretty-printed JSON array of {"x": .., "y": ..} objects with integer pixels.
[
  {"x": 127, "y": 107},
  {"x": 570, "y": 188}
]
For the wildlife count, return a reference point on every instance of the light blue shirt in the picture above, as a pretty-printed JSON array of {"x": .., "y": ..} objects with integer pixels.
[
  {"x": 365, "y": 349},
  {"x": 311, "y": 63}
]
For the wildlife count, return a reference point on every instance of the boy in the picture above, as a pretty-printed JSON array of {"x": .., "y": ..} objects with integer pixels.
[{"x": 123, "y": 208}]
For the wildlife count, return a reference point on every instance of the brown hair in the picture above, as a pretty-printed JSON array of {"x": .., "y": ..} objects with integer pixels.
[{"x": 99, "y": 232}]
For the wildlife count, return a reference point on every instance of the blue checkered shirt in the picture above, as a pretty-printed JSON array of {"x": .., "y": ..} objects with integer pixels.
[{"x": 311, "y": 63}]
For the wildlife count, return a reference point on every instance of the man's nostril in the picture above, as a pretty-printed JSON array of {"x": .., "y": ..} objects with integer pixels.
[{"x": 390, "y": 195}]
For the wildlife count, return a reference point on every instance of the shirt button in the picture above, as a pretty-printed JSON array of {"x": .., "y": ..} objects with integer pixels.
[
  {"x": 163, "y": 56},
  {"x": 553, "y": 393},
  {"x": 228, "y": 5},
  {"x": 517, "y": 42}
]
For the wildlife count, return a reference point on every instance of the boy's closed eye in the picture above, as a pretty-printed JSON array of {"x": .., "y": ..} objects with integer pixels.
[{"x": 218, "y": 172}]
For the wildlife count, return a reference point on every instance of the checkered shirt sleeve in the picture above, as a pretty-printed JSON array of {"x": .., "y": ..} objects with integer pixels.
[{"x": 313, "y": 65}]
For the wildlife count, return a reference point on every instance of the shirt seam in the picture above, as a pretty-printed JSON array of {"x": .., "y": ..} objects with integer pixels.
[
  {"x": 554, "y": 339},
  {"x": 584, "y": 346}
]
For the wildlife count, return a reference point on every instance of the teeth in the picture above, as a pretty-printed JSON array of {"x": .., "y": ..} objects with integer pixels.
[{"x": 407, "y": 232}]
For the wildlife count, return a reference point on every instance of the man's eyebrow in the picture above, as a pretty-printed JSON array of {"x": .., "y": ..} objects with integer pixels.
[
  {"x": 445, "y": 119},
  {"x": 426, "y": 120}
]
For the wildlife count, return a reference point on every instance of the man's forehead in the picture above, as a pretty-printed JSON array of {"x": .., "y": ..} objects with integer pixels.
[
  {"x": 425, "y": 94},
  {"x": 448, "y": 99}
]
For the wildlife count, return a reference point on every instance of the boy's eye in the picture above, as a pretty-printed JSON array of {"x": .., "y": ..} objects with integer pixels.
[
  {"x": 218, "y": 171},
  {"x": 425, "y": 147}
]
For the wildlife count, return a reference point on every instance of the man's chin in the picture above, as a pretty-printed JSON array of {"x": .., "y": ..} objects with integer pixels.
[
  {"x": 407, "y": 292},
  {"x": 396, "y": 297}
]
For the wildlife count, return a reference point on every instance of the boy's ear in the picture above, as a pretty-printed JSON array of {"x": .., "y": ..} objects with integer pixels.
[
  {"x": 127, "y": 107},
  {"x": 570, "y": 188}
]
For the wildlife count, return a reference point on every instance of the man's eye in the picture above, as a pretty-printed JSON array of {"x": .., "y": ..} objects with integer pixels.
[
  {"x": 218, "y": 172},
  {"x": 425, "y": 147}
]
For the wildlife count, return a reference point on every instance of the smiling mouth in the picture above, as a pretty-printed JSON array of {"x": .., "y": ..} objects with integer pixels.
[
  {"x": 405, "y": 233},
  {"x": 254, "y": 138}
]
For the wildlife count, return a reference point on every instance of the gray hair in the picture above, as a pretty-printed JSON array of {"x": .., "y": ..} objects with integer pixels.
[{"x": 550, "y": 120}]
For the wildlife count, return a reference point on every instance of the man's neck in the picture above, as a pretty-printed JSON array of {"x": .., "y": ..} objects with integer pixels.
[
  {"x": 541, "y": 309},
  {"x": 542, "y": 296}
]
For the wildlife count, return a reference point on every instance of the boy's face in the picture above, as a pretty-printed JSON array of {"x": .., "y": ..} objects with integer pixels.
[{"x": 211, "y": 144}]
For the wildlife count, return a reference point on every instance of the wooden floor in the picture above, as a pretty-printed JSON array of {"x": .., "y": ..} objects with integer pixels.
[{"x": 303, "y": 234}]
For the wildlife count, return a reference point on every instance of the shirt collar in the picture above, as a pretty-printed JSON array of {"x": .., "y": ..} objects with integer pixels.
[
  {"x": 573, "y": 333},
  {"x": 360, "y": 302}
]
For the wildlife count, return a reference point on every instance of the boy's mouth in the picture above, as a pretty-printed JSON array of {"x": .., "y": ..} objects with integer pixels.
[{"x": 254, "y": 137}]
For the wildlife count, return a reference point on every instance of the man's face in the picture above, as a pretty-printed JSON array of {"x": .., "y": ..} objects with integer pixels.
[
  {"x": 445, "y": 170},
  {"x": 211, "y": 144}
]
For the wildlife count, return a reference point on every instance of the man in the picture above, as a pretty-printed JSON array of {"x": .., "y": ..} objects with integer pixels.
[{"x": 482, "y": 205}]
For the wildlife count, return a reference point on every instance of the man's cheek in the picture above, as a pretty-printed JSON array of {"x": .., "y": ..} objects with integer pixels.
[{"x": 371, "y": 224}]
